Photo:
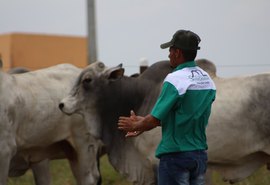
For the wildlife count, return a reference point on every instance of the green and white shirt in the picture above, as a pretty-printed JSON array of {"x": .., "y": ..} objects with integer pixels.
[{"x": 184, "y": 107}]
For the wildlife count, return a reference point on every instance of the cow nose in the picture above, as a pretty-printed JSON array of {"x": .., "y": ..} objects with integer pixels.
[{"x": 61, "y": 106}]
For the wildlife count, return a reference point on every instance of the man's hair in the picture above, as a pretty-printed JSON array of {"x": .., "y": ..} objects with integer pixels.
[{"x": 189, "y": 54}]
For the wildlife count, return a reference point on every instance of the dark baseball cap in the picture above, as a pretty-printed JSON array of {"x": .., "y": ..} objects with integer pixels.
[{"x": 183, "y": 39}]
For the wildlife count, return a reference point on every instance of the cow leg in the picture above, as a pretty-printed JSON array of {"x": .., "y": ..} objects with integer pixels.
[
  {"x": 4, "y": 166},
  {"x": 76, "y": 167},
  {"x": 208, "y": 177},
  {"x": 7, "y": 151},
  {"x": 84, "y": 178},
  {"x": 268, "y": 166},
  {"x": 81, "y": 152},
  {"x": 85, "y": 166},
  {"x": 41, "y": 172}
]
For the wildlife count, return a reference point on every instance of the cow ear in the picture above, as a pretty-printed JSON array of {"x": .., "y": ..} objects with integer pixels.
[{"x": 115, "y": 72}]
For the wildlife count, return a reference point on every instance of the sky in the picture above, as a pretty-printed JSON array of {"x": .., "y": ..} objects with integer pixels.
[{"x": 235, "y": 34}]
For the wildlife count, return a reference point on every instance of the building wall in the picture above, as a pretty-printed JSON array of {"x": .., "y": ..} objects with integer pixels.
[
  {"x": 5, "y": 45},
  {"x": 35, "y": 51}
]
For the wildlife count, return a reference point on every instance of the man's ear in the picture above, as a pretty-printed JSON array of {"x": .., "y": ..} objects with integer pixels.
[{"x": 178, "y": 53}]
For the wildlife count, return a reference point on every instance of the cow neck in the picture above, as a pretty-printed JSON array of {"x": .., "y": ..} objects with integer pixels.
[{"x": 120, "y": 97}]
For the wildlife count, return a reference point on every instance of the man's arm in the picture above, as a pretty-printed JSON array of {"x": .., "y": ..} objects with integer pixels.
[{"x": 137, "y": 123}]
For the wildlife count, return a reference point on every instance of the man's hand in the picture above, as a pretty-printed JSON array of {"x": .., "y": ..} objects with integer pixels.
[
  {"x": 137, "y": 123},
  {"x": 134, "y": 117},
  {"x": 133, "y": 134},
  {"x": 128, "y": 124}
]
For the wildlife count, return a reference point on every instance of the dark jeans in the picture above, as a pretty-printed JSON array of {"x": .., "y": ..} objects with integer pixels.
[{"x": 183, "y": 168}]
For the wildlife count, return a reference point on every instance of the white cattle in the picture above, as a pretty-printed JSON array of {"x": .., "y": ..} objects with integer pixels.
[
  {"x": 238, "y": 132},
  {"x": 32, "y": 128},
  {"x": 239, "y": 126},
  {"x": 19, "y": 165}
]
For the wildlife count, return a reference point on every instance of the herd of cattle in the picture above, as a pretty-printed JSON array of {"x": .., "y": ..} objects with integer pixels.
[{"x": 64, "y": 112}]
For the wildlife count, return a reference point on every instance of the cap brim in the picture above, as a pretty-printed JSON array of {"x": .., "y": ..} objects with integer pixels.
[{"x": 166, "y": 45}]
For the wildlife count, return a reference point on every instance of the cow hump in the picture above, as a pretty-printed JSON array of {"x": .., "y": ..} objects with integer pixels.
[{"x": 208, "y": 66}]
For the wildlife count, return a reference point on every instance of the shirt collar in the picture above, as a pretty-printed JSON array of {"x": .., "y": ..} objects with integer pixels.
[{"x": 186, "y": 64}]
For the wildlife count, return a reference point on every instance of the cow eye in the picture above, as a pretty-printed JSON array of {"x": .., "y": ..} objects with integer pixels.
[{"x": 86, "y": 82}]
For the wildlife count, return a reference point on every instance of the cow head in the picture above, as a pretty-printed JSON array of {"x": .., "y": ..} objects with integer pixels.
[{"x": 83, "y": 100}]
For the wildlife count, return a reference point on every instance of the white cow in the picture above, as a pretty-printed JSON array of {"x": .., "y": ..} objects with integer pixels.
[
  {"x": 33, "y": 128},
  {"x": 238, "y": 132},
  {"x": 239, "y": 126},
  {"x": 19, "y": 165}
]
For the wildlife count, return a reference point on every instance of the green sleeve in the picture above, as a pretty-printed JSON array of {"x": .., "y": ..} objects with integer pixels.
[{"x": 166, "y": 101}]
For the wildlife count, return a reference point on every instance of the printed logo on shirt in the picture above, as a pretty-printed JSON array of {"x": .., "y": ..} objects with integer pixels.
[
  {"x": 197, "y": 75},
  {"x": 199, "y": 80}
]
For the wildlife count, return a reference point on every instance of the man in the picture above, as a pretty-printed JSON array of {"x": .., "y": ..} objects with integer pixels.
[{"x": 182, "y": 110}]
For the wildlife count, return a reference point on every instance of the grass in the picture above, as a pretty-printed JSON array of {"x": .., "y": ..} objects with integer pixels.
[
  {"x": 61, "y": 175},
  {"x": 260, "y": 177}
]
